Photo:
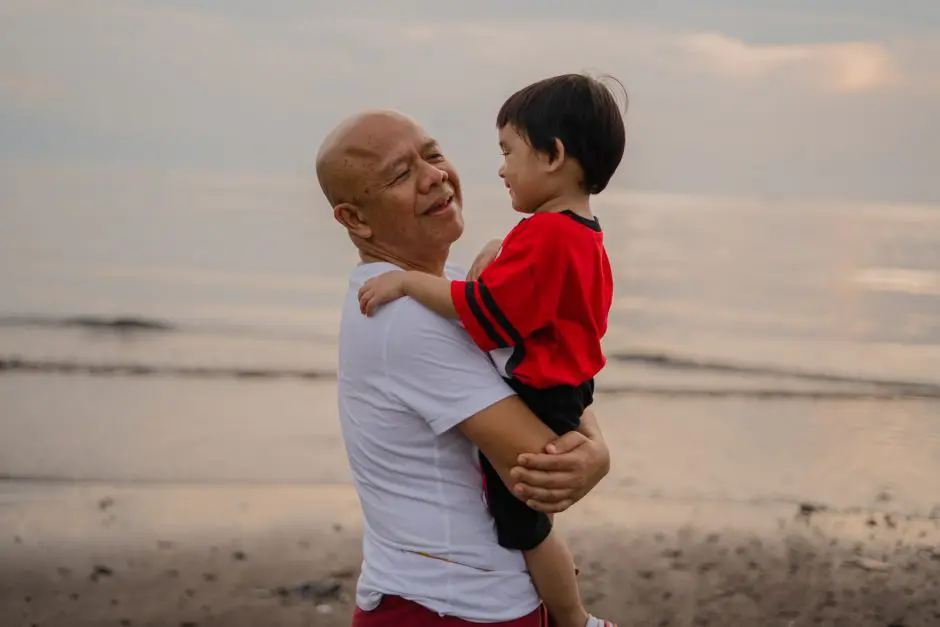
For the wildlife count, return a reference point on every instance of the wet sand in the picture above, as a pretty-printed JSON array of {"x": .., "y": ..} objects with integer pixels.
[
  {"x": 230, "y": 555},
  {"x": 227, "y": 503}
]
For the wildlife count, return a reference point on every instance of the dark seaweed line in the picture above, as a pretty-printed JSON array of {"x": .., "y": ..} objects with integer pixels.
[{"x": 61, "y": 367}]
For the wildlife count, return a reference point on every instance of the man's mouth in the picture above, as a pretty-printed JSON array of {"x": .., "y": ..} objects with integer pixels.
[{"x": 441, "y": 206}]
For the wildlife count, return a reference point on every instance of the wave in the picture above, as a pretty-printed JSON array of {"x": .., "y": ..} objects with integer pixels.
[
  {"x": 127, "y": 369},
  {"x": 126, "y": 325},
  {"x": 118, "y": 324},
  {"x": 678, "y": 362}
]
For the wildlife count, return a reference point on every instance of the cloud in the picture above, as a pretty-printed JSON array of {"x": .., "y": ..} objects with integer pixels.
[
  {"x": 240, "y": 88},
  {"x": 840, "y": 67}
]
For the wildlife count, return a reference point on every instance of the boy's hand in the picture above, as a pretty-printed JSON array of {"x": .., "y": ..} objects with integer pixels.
[
  {"x": 380, "y": 290},
  {"x": 484, "y": 258}
]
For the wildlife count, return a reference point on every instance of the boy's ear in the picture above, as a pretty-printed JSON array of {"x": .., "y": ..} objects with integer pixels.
[{"x": 553, "y": 164}]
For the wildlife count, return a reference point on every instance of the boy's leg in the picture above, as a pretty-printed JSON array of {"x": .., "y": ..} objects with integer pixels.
[
  {"x": 551, "y": 566},
  {"x": 550, "y": 563}
]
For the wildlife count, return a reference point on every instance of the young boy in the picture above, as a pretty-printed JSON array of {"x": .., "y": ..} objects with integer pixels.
[{"x": 540, "y": 307}]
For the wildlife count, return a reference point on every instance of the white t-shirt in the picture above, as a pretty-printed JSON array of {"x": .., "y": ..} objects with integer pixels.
[{"x": 407, "y": 378}]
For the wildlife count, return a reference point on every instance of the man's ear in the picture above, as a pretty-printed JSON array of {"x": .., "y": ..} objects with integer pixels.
[
  {"x": 351, "y": 217},
  {"x": 554, "y": 164}
]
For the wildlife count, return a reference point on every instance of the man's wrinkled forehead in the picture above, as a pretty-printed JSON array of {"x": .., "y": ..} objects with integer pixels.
[{"x": 384, "y": 152}]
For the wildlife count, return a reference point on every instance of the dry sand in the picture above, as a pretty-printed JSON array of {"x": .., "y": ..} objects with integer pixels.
[{"x": 79, "y": 555}]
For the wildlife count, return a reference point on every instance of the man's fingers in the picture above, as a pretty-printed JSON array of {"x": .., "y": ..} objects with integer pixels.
[
  {"x": 566, "y": 443},
  {"x": 546, "y": 462},
  {"x": 545, "y": 495},
  {"x": 537, "y": 479}
]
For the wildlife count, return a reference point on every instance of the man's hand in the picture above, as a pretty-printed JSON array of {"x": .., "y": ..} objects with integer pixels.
[
  {"x": 485, "y": 257},
  {"x": 571, "y": 466},
  {"x": 380, "y": 290}
]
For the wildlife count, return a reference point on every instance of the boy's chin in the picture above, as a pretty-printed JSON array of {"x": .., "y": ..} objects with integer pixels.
[{"x": 518, "y": 207}]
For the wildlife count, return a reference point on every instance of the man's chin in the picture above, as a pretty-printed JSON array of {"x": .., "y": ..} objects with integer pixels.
[{"x": 453, "y": 228}]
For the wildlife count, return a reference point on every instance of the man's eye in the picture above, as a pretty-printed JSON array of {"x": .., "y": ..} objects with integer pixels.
[
  {"x": 435, "y": 157},
  {"x": 401, "y": 177}
]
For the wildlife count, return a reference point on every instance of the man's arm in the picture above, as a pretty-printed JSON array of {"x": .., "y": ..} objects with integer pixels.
[
  {"x": 443, "y": 377},
  {"x": 569, "y": 468},
  {"x": 504, "y": 431}
]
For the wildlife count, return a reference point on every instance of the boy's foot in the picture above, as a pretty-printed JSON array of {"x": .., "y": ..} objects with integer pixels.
[{"x": 597, "y": 622}]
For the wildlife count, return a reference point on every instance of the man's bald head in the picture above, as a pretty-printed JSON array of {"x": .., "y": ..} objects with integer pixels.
[
  {"x": 350, "y": 149},
  {"x": 392, "y": 189}
]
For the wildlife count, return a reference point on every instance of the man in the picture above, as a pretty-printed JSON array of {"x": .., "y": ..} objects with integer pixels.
[{"x": 417, "y": 398}]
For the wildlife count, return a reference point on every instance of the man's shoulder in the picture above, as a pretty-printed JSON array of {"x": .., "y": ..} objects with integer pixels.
[
  {"x": 405, "y": 320},
  {"x": 365, "y": 271}
]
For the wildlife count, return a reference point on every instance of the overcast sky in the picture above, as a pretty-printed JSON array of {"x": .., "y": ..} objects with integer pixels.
[{"x": 825, "y": 99}]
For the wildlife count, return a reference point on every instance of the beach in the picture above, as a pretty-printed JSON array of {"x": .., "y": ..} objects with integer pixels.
[
  {"x": 222, "y": 514},
  {"x": 98, "y": 554}
]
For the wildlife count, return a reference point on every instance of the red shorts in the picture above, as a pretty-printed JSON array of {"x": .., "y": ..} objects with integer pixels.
[{"x": 398, "y": 612}]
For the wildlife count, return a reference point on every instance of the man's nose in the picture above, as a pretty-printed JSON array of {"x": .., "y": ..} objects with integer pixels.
[{"x": 435, "y": 176}]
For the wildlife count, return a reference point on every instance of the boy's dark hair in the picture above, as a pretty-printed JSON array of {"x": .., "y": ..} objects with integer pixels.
[{"x": 578, "y": 110}]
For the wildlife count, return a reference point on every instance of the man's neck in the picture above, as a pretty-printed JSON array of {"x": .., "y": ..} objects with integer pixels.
[{"x": 428, "y": 266}]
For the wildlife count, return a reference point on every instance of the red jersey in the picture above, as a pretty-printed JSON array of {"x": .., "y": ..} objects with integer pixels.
[{"x": 547, "y": 294}]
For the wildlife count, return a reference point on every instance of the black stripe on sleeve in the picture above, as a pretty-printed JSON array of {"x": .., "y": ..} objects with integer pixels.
[
  {"x": 477, "y": 312},
  {"x": 498, "y": 315}
]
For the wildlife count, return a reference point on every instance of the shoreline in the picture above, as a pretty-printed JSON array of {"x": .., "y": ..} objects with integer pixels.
[{"x": 97, "y": 554}]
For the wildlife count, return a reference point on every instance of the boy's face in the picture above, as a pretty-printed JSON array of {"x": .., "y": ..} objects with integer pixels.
[{"x": 524, "y": 171}]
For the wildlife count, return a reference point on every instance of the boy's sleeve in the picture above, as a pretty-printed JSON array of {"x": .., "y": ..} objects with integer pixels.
[{"x": 519, "y": 292}]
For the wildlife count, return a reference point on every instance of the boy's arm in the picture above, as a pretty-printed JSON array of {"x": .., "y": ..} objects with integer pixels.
[{"x": 431, "y": 291}]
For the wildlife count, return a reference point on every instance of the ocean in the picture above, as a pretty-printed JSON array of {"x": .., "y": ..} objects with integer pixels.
[{"x": 170, "y": 328}]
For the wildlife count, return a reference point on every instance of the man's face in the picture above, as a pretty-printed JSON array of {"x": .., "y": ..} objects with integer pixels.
[{"x": 411, "y": 197}]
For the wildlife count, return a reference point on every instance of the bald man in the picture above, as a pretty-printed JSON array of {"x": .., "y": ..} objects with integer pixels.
[{"x": 417, "y": 399}]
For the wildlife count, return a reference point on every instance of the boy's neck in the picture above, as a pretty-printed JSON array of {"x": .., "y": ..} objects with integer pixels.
[{"x": 579, "y": 204}]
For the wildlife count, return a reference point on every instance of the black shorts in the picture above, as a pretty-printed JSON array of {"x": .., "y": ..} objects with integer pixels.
[{"x": 518, "y": 526}]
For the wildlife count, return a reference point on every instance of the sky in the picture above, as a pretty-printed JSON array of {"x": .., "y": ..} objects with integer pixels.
[{"x": 834, "y": 99}]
